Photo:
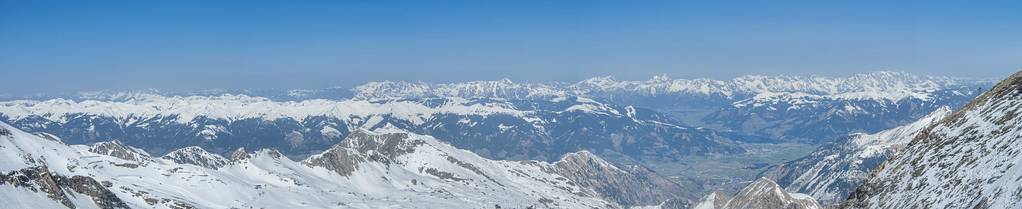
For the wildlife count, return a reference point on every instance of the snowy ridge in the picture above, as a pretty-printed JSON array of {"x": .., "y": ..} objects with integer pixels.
[
  {"x": 119, "y": 150},
  {"x": 431, "y": 174},
  {"x": 633, "y": 186},
  {"x": 966, "y": 160},
  {"x": 830, "y": 173},
  {"x": 896, "y": 138},
  {"x": 196, "y": 156},
  {"x": 760, "y": 194}
]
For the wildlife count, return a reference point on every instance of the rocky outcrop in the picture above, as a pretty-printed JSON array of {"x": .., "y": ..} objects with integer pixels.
[
  {"x": 363, "y": 146},
  {"x": 239, "y": 154},
  {"x": 196, "y": 156},
  {"x": 761, "y": 194},
  {"x": 627, "y": 185},
  {"x": 117, "y": 149},
  {"x": 62, "y": 189}
]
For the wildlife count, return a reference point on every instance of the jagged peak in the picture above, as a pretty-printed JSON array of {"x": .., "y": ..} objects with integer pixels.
[
  {"x": 117, "y": 149},
  {"x": 190, "y": 149},
  {"x": 765, "y": 193},
  {"x": 239, "y": 154},
  {"x": 585, "y": 157},
  {"x": 195, "y": 155},
  {"x": 390, "y": 142}
]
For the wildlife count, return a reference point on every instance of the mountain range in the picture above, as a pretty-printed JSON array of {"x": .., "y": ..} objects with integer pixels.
[
  {"x": 485, "y": 144},
  {"x": 383, "y": 168}
]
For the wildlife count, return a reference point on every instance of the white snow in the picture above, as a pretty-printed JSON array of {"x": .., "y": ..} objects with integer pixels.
[
  {"x": 267, "y": 180},
  {"x": 237, "y": 107}
]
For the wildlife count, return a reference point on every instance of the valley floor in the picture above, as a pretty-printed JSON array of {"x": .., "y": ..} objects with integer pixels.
[{"x": 729, "y": 173}]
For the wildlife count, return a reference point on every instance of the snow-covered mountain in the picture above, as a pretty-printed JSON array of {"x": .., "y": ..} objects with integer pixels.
[
  {"x": 809, "y": 108},
  {"x": 967, "y": 160},
  {"x": 794, "y": 107},
  {"x": 880, "y": 85},
  {"x": 631, "y": 185},
  {"x": 501, "y": 129},
  {"x": 833, "y": 171},
  {"x": 386, "y": 168},
  {"x": 760, "y": 194}
]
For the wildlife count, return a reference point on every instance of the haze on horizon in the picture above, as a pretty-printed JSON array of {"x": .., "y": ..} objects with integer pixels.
[{"x": 56, "y": 46}]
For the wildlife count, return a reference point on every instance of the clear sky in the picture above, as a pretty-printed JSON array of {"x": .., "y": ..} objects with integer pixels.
[{"x": 52, "y": 46}]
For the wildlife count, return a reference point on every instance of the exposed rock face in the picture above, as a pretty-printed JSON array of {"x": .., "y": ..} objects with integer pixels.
[
  {"x": 761, "y": 194},
  {"x": 967, "y": 160},
  {"x": 361, "y": 146},
  {"x": 196, "y": 156},
  {"x": 835, "y": 169},
  {"x": 119, "y": 150},
  {"x": 629, "y": 186},
  {"x": 239, "y": 154},
  {"x": 62, "y": 189}
]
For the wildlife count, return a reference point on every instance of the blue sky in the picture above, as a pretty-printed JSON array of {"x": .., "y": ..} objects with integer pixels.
[{"x": 54, "y": 46}]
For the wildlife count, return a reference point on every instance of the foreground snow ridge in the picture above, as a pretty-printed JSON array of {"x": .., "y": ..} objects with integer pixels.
[
  {"x": 967, "y": 160},
  {"x": 832, "y": 172},
  {"x": 383, "y": 169}
]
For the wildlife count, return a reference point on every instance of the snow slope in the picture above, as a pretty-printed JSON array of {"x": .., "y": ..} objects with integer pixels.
[
  {"x": 834, "y": 170},
  {"x": 967, "y": 160},
  {"x": 425, "y": 173}
]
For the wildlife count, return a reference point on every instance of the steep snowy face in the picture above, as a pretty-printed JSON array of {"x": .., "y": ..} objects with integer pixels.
[
  {"x": 762, "y": 193},
  {"x": 834, "y": 170},
  {"x": 631, "y": 185},
  {"x": 966, "y": 160},
  {"x": 399, "y": 169}
]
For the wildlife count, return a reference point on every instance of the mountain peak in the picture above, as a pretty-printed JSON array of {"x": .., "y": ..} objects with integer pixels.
[
  {"x": 239, "y": 154},
  {"x": 388, "y": 144},
  {"x": 195, "y": 155},
  {"x": 117, "y": 149},
  {"x": 634, "y": 187},
  {"x": 764, "y": 193},
  {"x": 584, "y": 157}
]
